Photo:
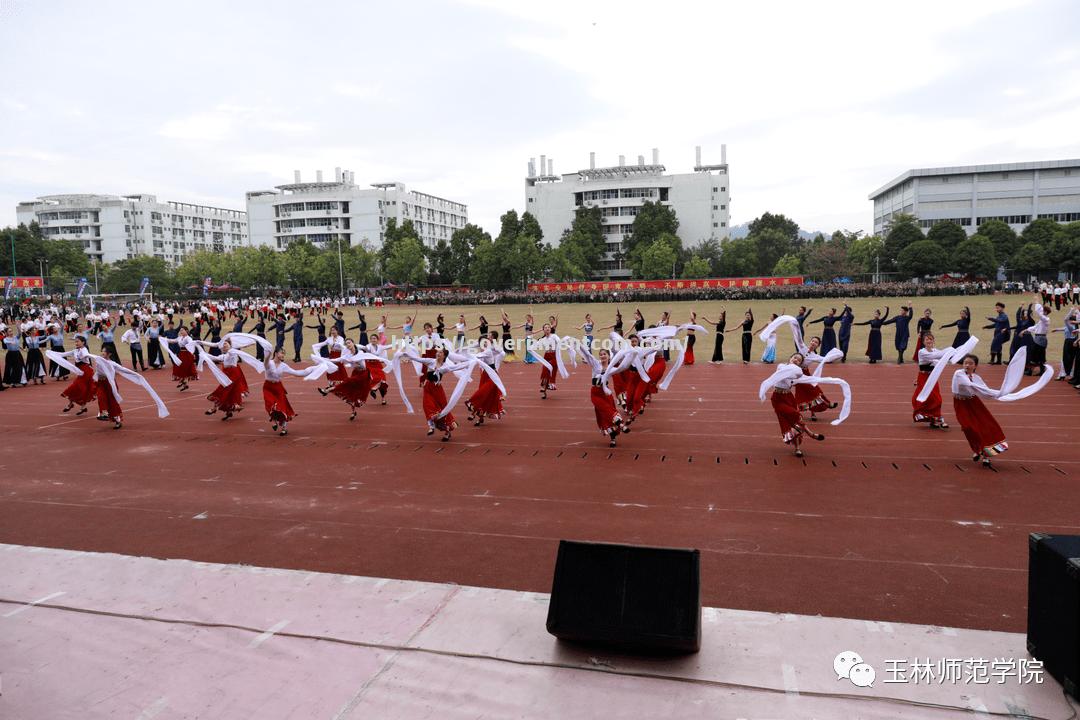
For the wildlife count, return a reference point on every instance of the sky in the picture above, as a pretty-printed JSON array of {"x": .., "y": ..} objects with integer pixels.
[{"x": 819, "y": 104}]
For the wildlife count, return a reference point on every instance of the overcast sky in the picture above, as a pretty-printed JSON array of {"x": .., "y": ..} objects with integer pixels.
[{"x": 818, "y": 103}]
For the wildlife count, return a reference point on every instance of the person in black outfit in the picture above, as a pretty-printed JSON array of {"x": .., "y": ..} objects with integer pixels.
[
  {"x": 238, "y": 326},
  {"x": 1002, "y": 327},
  {"x": 214, "y": 333},
  {"x": 320, "y": 327},
  {"x": 961, "y": 324},
  {"x": 362, "y": 326},
  {"x": 339, "y": 323},
  {"x": 903, "y": 332},
  {"x": 747, "y": 326},
  {"x": 873, "y": 344},
  {"x": 260, "y": 330},
  {"x": 279, "y": 328},
  {"x": 847, "y": 319},
  {"x": 720, "y": 324},
  {"x": 802, "y": 316},
  {"x": 297, "y": 329},
  {"x": 440, "y": 325},
  {"x": 639, "y": 321}
]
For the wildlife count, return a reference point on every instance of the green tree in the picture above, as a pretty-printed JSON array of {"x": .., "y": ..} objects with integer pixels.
[
  {"x": 974, "y": 256},
  {"x": 440, "y": 262},
  {"x": 903, "y": 231},
  {"x": 922, "y": 257},
  {"x": 299, "y": 263},
  {"x": 696, "y": 267},
  {"x": 657, "y": 260},
  {"x": 637, "y": 257},
  {"x": 772, "y": 244},
  {"x": 1041, "y": 232},
  {"x": 1030, "y": 259},
  {"x": 947, "y": 234},
  {"x": 393, "y": 234},
  {"x": 28, "y": 246},
  {"x": 509, "y": 225},
  {"x": 585, "y": 240},
  {"x": 787, "y": 266},
  {"x": 1002, "y": 236},
  {"x": 531, "y": 227},
  {"x": 864, "y": 253},
  {"x": 652, "y": 221},
  {"x": 710, "y": 250},
  {"x": 197, "y": 266},
  {"x": 560, "y": 265},
  {"x": 361, "y": 266},
  {"x": 125, "y": 276},
  {"x": 1064, "y": 250},
  {"x": 779, "y": 223},
  {"x": 523, "y": 261},
  {"x": 485, "y": 270},
  {"x": 66, "y": 258},
  {"x": 827, "y": 260},
  {"x": 406, "y": 263},
  {"x": 739, "y": 258},
  {"x": 462, "y": 245}
]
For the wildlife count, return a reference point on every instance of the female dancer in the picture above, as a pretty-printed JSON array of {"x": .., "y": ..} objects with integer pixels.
[
  {"x": 436, "y": 406},
  {"x": 691, "y": 340},
  {"x": 134, "y": 340},
  {"x": 377, "y": 370},
  {"x": 769, "y": 356},
  {"x": 873, "y": 344},
  {"x": 961, "y": 324},
  {"x": 602, "y": 397},
  {"x": 440, "y": 324},
  {"x": 1023, "y": 321},
  {"x": 639, "y": 321},
  {"x": 928, "y": 410},
  {"x": 35, "y": 361},
  {"x": 354, "y": 390},
  {"x": 184, "y": 369},
  {"x": 362, "y": 326},
  {"x": 83, "y": 388},
  {"x": 106, "y": 336},
  {"x": 811, "y": 397},
  {"x": 925, "y": 324},
  {"x": 828, "y": 334},
  {"x": 747, "y": 327},
  {"x": 984, "y": 435},
  {"x": 649, "y": 374},
  {"x": 507, "y": 341},
  {"x": 483, "y": 328},
  {"x": 335, "y": 347},
  {"x": 587, "y": 327},
  {"x": 528, "y": 327},
  {"x": 228, "y": 398},
  {"x": 56, "y": 344},
  {"x": 14, "y": 367},
  {"x": 1002, "y": 328},
  {"x": 320, "y": 328},
  {"x": 459, "y": 328},
  {"x": 487, "y": 401},
  {"x": 108, "y": 402},
  {"x": 720, "y": 323},
  {"x": 275, "y": 399},
  {"x": 548, "y": 348},
  {"x": 792, "y": 425},
  {"x": 1040, "y": 325}
]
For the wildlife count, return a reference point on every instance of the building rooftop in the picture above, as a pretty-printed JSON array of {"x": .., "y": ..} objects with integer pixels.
[{"x": 965, "y": 169}]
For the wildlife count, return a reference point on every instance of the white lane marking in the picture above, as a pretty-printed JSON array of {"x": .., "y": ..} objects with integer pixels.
[
  {"x": 19, "y": 609},
  {"x": 201, "y": 516},
  {"x": 154, "y": 709},
  {"x": 264, "y": 636},
  {"x": 791, "y": 685}
]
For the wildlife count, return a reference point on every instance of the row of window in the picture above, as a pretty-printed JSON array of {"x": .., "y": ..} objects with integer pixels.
[
  {"x": 1010, "y": 219},
  {"x": 965, "y": 222},
  {"x": 1061, "y": 217}
]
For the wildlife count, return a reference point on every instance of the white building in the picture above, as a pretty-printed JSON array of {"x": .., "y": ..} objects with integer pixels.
[
  {"x": 701, "y": 200},
  {"x": 1015, "y": 193},
  {"x": 324, "y": 211},
  {"x": 119, "y": 227}
]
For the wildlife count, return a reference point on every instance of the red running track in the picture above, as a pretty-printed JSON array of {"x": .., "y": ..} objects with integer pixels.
[{"x": 885, "y": 520}]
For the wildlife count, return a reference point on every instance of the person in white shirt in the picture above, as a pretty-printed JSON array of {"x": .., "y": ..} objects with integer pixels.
[
  {"x": 132, "y": 338},
  {"x": 1037, "y": 351}
]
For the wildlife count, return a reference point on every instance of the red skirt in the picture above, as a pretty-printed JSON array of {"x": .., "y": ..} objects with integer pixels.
[
  {"x": 83, "y": 388},
  {"x": 547, "y": 377},
  {"x": 487, "y": 400},
  {"x": 810, "y": 397},
  {"x": 929, "y": 410},
  {"x": 604, "y": 407},
  {"x": 618, "y": 382},
  {"x": 186, "y": 369},
  {"x": 230, "y": 398},
  {"x": 787, "y": 412},
  {"x": 688, "y": 357},
  {"x": 342, "y": 373},
  {"x": 982, "y": 431},
  {"x": 355, "y": 388},
  {"x": 106, "y": 402},
  {"x": 918, "y": 346},
  {"x": 434, "y": 402},
  {"x": 377, "y": 373},
  {"x": 276, "y": 401},
  {"x": 642, "y": 389}
]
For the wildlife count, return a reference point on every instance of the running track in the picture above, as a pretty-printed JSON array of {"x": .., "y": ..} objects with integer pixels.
[{"x": 883, "y": 521}]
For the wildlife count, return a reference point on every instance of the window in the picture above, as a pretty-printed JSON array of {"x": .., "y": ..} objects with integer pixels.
[
  {"x": 723, "y": 188},
  {"x": 714, "y": 189},
  {"x": 715, "y": 225},
  {"x": 715, "y": 207},
  {"x": 723, "y": 207},
  {"x": 531, "y": 199}
]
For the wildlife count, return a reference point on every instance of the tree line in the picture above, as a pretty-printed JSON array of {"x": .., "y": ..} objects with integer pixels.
[{"x": 774, "y": 245}]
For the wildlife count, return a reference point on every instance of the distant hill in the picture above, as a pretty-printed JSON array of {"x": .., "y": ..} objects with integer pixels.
[{"x": 741, "y": 231}]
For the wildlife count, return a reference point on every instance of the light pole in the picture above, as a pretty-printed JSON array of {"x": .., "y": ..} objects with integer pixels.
[
  {"x": 341, "y": 271},
  {"x": 13, "y": 273},
  {"x": 41, "y": 274}
]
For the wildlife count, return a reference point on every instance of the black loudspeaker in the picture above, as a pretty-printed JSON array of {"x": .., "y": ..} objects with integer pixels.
[
  {"x": 638, "y": 599},
  {"x": 1053, "y": 634}
]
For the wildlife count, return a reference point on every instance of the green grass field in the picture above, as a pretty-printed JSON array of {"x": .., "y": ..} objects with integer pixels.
[{"x": 944, "y": 309}]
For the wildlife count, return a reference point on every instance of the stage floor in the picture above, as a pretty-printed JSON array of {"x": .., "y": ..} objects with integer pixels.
[{"x": 90, "y": 635}]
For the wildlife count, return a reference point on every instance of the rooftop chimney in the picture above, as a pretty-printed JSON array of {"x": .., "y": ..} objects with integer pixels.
[
  {"x": 723, "y": 154},
  {"x": 296, "y": 176},
  {"x": 697, "y": 156},
  {"x": 640, "y": 159},
  {"x": 318, "y": 176},
  {"x": 622, "y": 161},
  {"x": 551, "y": 167},
  {"x": 592, "y": 161},
  {"x": 337, "y": 174},
  {"x": 543, "y": 164},
  {"x": 532, "y": 167},
  {"x": 656, "y": 156}
]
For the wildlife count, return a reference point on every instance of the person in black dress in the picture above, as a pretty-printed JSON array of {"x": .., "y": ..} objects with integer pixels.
[
  {"x": 720, "y": 324},
  {"x": 903, "y": 332},
  {"x": 639, "y": 321},
  {"x": 873, "y": 344},
  {"x": 828, "y": 334},
  {"x": 747, "y": 327},
  {"x": 507, "y": 341},
  {"x": 961, "y": 324},
  {"x": 1002, "y": 328},
  {"x": 320, "y": 327},
  {"x": 362, "y": 326},
  {"x": 925, "y": 325}
]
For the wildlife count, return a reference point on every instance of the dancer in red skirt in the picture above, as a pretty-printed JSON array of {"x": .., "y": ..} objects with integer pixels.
[
  {"x": 335, "y": 347},
  {"x": 929, "y": 410},
  {"x": 547, "y": 348},
  {"x": 602, "y": 396},
  {"x": 651, "y": 366},
  {"x": 811, "y": 397},
  {"x": 83, "y": 388},
  {"x": 184, "y": 363},
  {"x": 377, "y": 370},
  {"x": 487, "y": 401},
  {"x": 108, "y": 404},
  {"x": 227, "y": 397},
  {"x": 792, "y": 425},
  {"x": 691, "y": 339},
  {"x": 275, "y": 399},
  {"x": 437, "y": 408},
  {"x": 355, "y": 388}
]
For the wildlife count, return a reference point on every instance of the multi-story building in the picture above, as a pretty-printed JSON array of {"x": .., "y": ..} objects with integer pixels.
[
  {"x": 324, "y": 211},
  {"x": 119, "y": 227},
  {"x": 700, "y": 199},
  {"x": 1015, "y": 193}
]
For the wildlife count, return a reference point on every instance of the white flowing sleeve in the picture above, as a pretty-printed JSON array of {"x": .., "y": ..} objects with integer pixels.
[
  {"x": 243, "y": 340},
  {"x": 163, "y": 342},
  {"x": 845, "y": 409},
  {"x": 784, "y": 372},
  {"x": 222, "y": 378},
  {"x": 459, "y": 389},
  {"x": 134, "y": 377},
  {"x": 831, "y": 356},
  {"x": 60, "y": 359},
  {"x": 951, "y": 355}
]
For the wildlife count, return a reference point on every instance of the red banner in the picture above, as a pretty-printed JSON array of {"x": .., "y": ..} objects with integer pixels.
[
  {"x": 612, "y": 285},
  {"x": 22, "y": 282}
]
